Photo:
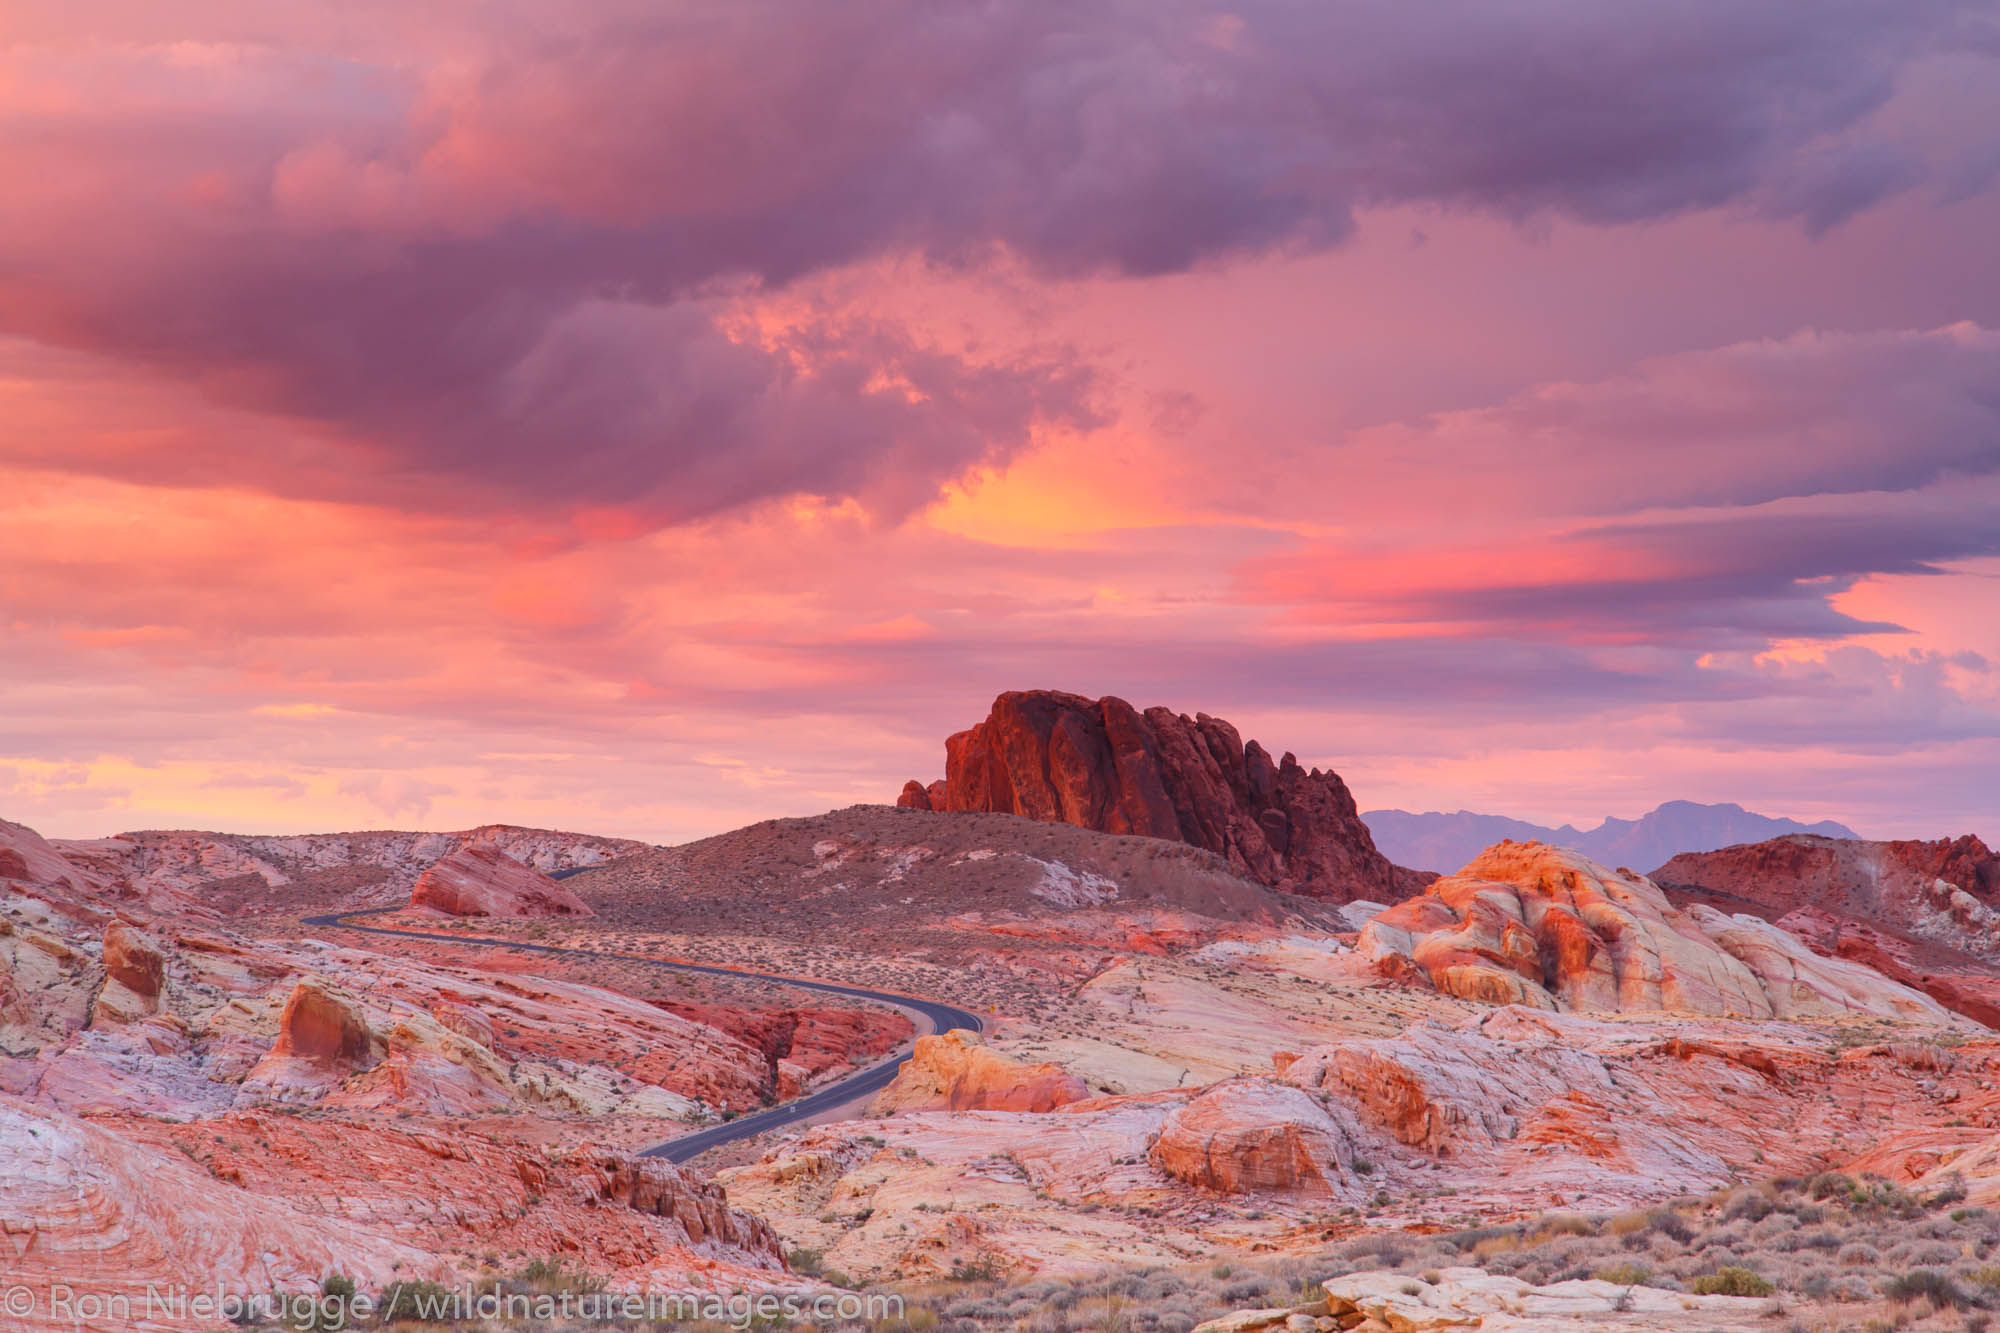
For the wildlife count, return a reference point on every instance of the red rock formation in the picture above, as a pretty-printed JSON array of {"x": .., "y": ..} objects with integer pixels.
[
  {"x": 133, "y": 959},
  {"x": 1956, "y": 980},
  {"x": 1251, "y": 1135},
  {"x": 481, "y": 880},
  {"x": 658, "y": 1189},
  {"x": 89, "y": 1209},
  {"x": 1902, "y": 885},
  {"x": 1548, "y": 927},
  {"x": 1102, "y": 764},
  {"x": 955, "y": 1071},
  {"x": 802, "y": 1043},
  {"x": 318, "y": 1024},
  {"x": 1924, "y": 913}
]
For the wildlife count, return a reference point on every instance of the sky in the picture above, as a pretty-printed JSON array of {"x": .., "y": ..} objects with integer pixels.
[{"x": 652, "y": 416}]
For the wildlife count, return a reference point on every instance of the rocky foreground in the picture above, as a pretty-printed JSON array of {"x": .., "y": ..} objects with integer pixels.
[{"x": 1184, "y": 1068}]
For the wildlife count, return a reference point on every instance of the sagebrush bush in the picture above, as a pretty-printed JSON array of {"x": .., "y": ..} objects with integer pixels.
[
  {"x": 1926, "y": 1284},
  {"x": 1731, "y": 1281}
]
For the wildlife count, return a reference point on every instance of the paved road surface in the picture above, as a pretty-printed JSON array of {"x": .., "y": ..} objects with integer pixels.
[{"x": 867, "y": 1082}]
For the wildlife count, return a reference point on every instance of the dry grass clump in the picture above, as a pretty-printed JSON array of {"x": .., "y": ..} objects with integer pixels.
[{"x": 1829, "y": 1252}]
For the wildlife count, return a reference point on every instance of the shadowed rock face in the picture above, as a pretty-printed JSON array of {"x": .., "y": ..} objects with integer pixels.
[
  {"x": 319, "y": 1024},
  {"x": 1102, "y": 764}
]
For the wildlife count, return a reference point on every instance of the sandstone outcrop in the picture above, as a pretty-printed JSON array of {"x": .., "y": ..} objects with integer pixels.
[
  {"x": 1910, "y": 885},
  {"x": 322, "y": 1025},
  {"x": 957, "y": 1071},
  {"x": 481, "y": 880},
  {"x": 1547, "y": 927},
  {"x": 1103, "y": 764},
  {"x": 134, "y": 960},
  {"x": 1927, "y": 913},
  {"x": 26, "y": 857},
  {"x": 1960, "y": 981},
  {"x": 103, "y": 1215},
  {"x": 222, "y": 874},
  {"x": 1251, "y": 1135}
]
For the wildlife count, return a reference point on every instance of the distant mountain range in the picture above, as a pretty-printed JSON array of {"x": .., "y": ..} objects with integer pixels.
[{"x": 1442, "y": 842}]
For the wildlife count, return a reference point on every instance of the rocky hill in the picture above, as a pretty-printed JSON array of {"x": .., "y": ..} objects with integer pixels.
[
  {"x": 1103, "y": 764},
  {"x": 1943, "y": 888},
  {"x": 1444, "y": 842},
  {"x": 960, "y": 887},
  {"x": 1544, "y": 926},
  {"x": 1926, "y": 913},
  {"x": 225, "y": 874}
]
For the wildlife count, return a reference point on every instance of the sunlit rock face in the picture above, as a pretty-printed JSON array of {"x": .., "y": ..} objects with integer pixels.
[
  {"x": 1547, "y": 927},
  {"x": 481, "y": 880},
  {"x": 957, "y": 1071}
]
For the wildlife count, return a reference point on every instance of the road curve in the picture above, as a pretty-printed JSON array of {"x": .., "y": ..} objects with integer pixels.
[{"x": 941, "y": 1017}]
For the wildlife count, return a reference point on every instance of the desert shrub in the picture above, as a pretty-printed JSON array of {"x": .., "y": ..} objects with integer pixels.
[
  {"x": 404, "y": 1302},
  {"x": 1386, "y": 1251},
  {"x": 1176, "y": 1321},
  {"x": 979, "y": 1309},
  {"x": 1814, "y": 1238},
  {"x": 1926, "y": 1284},
  {"x": 1829, "y": 1184},
  {"x": 1731, "y": 1281},
  {"x": 1245, "y": 1293},
  {"x": 976, "y": 1270},
  {"x": 1567, "y": 1224},
  {"x": 551, "y": 1276},
  {"x": 1635, "y": 1223},
  {"x": 1747, "y": 1206},
  {"x": 1625, "y": 1275},
  {"x": 1987, "y": 1275},
  {"x": 1859, "y": 1255},
  {"x": 806, "y": 1263},
  {"x": 1922, "y": 1254},
  {"x": 1463, "y": 1242}
]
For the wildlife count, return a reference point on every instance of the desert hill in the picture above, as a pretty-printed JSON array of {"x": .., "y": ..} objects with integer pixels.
[
  {"x": 901, "y": 877},
  {"x": 1926, "y": 913}
]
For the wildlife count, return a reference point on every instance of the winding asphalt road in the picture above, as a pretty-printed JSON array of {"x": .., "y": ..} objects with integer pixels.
[{"x": 855, "y": 1086}]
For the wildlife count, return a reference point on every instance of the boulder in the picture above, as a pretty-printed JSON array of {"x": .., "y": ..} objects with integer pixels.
[
  {"x": 1247, "y": 1136},
  {"x": 134, "y": 960},
  {"x": 322, "y": 1025},
  {"x": 957, "y": 1071},
  {"x": 481, "y": 880},
  {"x": 1102, "y": 764}
]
